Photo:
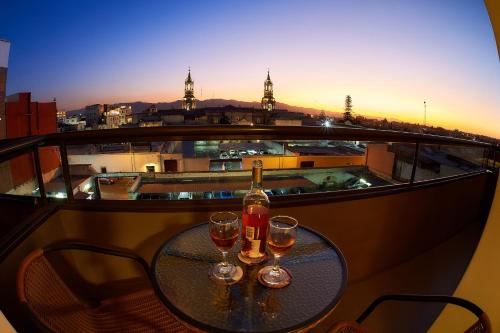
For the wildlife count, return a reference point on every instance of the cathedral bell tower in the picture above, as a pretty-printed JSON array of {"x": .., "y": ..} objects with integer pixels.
[
  {"x": 268, "y": 103},
  {"x": 189, "y": 102}
]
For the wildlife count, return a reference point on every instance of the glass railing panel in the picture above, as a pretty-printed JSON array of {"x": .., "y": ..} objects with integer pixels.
[
  {"x": 18, "y": 176},
  {"x": 52, "y": 171},
  {"x": 437, "y": 161},
  {"x": 220, "y": 169},
  {"x": 392, "y": 161}
]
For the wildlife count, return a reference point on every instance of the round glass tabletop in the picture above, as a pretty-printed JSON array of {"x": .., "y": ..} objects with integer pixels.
[{"x": 180, "y": 274}]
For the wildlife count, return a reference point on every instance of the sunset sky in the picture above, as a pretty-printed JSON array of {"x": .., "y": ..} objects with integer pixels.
[{"x": 389, "y": 56}]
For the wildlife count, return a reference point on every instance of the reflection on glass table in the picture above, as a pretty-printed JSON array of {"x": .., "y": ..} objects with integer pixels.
[{"x": 180, "y": 277}]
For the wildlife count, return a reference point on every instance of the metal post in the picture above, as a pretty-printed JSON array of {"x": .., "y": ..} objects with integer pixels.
[
  {"x": 39, "y": 175},
  {"x": 495, "y": 157},
  {"x": 66, "y": 175},
  {"x": 425, "y": 113},
  {"x": 415, "y": 162}
]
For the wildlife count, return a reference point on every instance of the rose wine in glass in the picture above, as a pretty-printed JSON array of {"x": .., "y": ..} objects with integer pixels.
[
  {"x": 255, "y": 218},
  {"x": 281, "y": 236},
  {"x": 224, "y": 230}
]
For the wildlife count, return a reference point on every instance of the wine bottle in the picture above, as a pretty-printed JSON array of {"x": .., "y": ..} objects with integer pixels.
[{"x": 255, "y": 219}]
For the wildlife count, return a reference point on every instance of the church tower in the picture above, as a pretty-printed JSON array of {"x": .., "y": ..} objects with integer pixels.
[
  {"x": 189, "y": 102},
  {"x": 268, "y": 103}
]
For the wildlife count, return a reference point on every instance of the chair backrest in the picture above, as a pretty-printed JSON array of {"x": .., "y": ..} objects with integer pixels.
[
  {"x": 483, "y": 325},
  {"x": 41, "y": 289},
  {"x": 49, "y": 299}
]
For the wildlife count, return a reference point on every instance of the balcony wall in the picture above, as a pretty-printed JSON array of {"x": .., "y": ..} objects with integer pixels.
[{"x": 374, "y": 233}]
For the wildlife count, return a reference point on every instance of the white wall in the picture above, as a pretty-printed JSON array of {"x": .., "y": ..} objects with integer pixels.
[
  {"x": 119, "y": 162},
  {"x": 4, "y": 53}
]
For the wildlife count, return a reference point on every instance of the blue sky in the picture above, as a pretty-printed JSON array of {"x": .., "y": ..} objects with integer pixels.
[{"x": 389, "y": 55}]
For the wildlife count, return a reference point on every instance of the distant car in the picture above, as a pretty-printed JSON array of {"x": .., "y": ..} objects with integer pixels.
[
  {"x": 226, "y": 194},
  {"x": 208, "y": 195},
  {"x": 165, "y": 196},
  {"x": 224, "y": 155},
  {"x": 242, "y": 152},
  {"x": 358, "y": 184},
  {"x": 261, "y": 152},
  {"x": 278, "y": 191},
  {"x": 232, "y": 152},
  {"x": 297, "y": 190},
  {"x": 106, "y": 181},
  {"x": 185, "y": 196},
  {"x": 268, "y": 192},
  {"x": 252, "y": 152}
]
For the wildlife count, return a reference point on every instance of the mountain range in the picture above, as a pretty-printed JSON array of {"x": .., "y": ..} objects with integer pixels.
[{"x": 215, "y": 102}]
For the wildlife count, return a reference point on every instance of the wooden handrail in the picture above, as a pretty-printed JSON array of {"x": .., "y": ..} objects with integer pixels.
[
  {"x": 11, "y": 147},
  {"x": 250, "y": 132}
]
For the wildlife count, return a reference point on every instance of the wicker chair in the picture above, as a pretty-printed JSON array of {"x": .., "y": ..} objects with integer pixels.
[
  {"x": 482, "y": 325},
  {"x": 57, "y": 309}
]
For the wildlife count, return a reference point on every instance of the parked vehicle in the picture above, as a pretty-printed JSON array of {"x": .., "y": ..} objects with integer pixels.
[
  {"x": 185, "y": 196},
  {"x": 358, "y": 184},
  {"x": 106, "y": 181}
]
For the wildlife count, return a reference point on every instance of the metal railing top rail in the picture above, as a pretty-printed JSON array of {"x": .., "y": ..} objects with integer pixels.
[
  {"x": 10, "y": 148},
  {"x": 225, "y": 132}
]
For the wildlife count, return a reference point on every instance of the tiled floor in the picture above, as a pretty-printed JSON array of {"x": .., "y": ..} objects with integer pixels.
[{"x": 437, "y": 271}]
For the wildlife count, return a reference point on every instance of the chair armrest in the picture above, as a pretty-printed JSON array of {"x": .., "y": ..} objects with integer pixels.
[
  {"x": 422, "y": 298},
  {"x": 106, "y": 250}
]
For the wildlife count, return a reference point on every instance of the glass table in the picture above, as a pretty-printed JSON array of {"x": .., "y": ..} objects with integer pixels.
[{"x": 180, "y": 277}]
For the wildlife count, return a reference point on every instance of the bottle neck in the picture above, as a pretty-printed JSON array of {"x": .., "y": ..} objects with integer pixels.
[{"x": 257, "y": 178}]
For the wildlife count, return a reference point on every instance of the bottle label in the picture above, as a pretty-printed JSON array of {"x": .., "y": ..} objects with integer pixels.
[
  {"x": 250, "y": 233},
  {"x": 255, "y": 247}
]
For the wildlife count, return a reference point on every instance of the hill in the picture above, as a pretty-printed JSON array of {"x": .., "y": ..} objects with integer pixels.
[{"x": 140, "y": 106}]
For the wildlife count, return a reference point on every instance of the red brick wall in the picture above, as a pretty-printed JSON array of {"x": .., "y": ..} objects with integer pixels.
[
  {"x": 46, "y": 117},
  {"x": 17, "y": 115},
  {"x": 25, "y": 118}
]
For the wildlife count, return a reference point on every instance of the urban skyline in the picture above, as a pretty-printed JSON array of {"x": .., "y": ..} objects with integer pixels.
[{"x": 388, "y": 57}]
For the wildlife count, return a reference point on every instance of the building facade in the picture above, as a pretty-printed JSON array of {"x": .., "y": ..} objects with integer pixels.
[
  {"x": 189, "y": 101},
  {"x": 93, "y": 114},
  {"x": 268, "y": 103},
  {"x": 4, "y": 60},
  {"x": 26, "y": 118}
]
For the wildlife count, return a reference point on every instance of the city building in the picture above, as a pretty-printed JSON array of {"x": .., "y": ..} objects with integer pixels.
[
  {"x": 4, "y": 62},
  {"x": 60, "y": 115},
  {"x": 116, "y": 116},
  {"x": 24, "y": 117},
  {"x": 268, "y": 103},
  {"x": 93, "y": 114},
  {"x": 189, "y": 101},
  {"x": 73, "y": 123}
]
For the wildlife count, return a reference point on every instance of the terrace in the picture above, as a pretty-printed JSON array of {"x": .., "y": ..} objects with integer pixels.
[{"x": 415, "y": 229}]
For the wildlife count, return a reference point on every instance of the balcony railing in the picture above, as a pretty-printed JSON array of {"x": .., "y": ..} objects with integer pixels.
[{"x": 378, "y": 162}]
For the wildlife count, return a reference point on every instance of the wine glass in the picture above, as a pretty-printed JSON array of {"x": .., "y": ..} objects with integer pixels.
[
  {"x": 224, "y": 229},
  {"x": 281, "y": 236}
]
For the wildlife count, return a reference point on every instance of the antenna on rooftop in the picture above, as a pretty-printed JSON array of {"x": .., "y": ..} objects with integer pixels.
[{"x": 425, "y": 113}]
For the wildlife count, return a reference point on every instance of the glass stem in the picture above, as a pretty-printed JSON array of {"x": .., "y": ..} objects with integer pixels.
[
  {"x": 224, "y": 258},
  {"x": 276, "y": 264}
]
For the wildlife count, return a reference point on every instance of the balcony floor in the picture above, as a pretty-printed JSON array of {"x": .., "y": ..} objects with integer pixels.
[{"x": 437, "y": 271}]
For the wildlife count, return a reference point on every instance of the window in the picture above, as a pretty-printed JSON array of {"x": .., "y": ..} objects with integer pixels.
[
  {"x": 150, "y": 168},
  {"x": 307, "y": 164},
  {"x": 104, "y": 170}
]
